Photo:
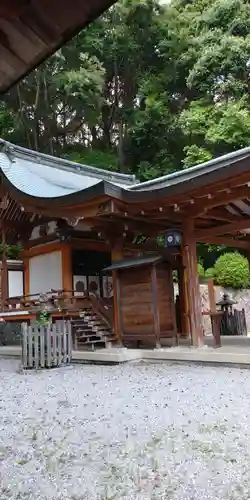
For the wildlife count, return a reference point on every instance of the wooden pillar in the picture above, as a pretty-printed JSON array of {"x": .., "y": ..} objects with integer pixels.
[
  {"x": 67, "y": 278},
  {"x": 26, "y": 262},
  {"x": 157, "y": 329},
  {"x": 214, "y": 314},
  {"x": 184, "y": 303},
  {"x": 4, "y": 270},
  {"x": 247, "y": 254},
  {"x": 211, "y": 296},
  {"x": 116, "y": 255},
  {"x": 193, "y": 289}
]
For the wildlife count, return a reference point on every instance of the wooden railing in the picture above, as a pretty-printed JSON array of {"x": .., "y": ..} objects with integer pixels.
[
  {"x": 33, "y": 301},
  {"x": 103, "y": 308},
  {"x": 62, "y": 301}
]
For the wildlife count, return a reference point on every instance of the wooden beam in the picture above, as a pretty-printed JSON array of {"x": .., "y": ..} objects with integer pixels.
[
  {"x": 84, "y": 211},
  {"x": 222, "y": 215},
  {"x": 229, "y": 242},
  {"x": 198, "y": 206},
  {"x": 128, "y": 215},
  {"x": 221, "y": 199},
  {"x": 220, "y": 186},
  {"x": 37, "y": 21},
  {"x": 221, "y": 229},
  {"x": 11, "y": 10},
  {"x": 19, "y": 224}
]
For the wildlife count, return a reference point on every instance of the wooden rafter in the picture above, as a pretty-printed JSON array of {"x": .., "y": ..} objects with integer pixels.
[
  {"x": 224, "y": 198},
  {"x": 12, "y": 9},
  {"x": 195, "y": 206},
  {"x": 229, "y": 242},
  {"x": 229, "y": 228},
  {"x": 221, "y": 214}
]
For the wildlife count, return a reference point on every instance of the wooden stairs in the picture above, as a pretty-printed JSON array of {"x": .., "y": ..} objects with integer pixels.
[{"x": 91, "y": 330}]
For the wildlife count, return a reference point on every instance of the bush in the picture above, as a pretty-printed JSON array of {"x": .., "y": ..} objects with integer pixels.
[
  {"x": 209, "y": 273},
  {"x": 232, "y": 270},
  {"x": 201, "y": 271}
]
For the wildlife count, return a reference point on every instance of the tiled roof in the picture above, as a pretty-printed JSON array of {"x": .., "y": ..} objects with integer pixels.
[
  {"x": 44, "y": 176},
  {"x": 191, "y": 174},
  {"x": 138, "y": 261}
]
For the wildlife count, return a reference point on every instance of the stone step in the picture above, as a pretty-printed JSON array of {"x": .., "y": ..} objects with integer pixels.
[
  {"x": 110, "y": 338},
  {"x": 88, "y": 336},
  {"x": 90, "y": 342},
  {"x": 84, "y": 328},
  {"x": 101, "y": 331}
]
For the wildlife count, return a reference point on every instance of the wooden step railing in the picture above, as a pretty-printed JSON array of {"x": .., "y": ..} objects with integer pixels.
[
  {"x": 102, "y": 309},
  {"x": 61, "y": 300}
]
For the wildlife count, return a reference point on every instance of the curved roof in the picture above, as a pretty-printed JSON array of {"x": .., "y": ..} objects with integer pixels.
[
  {"x": 43, "y": 178},
  {"x": 192, "y": 174}
]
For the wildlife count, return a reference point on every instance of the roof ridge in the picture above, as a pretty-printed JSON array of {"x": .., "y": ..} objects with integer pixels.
[
  {"x": 217, "y": 162},
  {"x": 13, "y": 150}
]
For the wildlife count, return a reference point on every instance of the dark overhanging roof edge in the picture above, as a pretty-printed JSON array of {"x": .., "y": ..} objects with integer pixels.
[
  {"x": 140, "y": 261},
  {"x": 69, "y": 34}
]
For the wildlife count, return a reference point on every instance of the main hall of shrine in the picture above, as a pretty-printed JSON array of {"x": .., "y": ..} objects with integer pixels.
[
  {"x": 98, "y": 241},
  {"x": 89, "y": 232}
]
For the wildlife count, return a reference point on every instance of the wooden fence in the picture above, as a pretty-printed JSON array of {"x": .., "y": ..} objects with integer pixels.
[
  {"x": 46, "y": 346},
  {"x": 233, "y": 323}
]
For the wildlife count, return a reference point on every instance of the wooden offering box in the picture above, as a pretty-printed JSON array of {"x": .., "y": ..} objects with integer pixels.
[{"x": 145, "y": 299}]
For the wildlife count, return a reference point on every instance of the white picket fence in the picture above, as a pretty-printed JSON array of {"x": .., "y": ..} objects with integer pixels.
[{"x": 46, "y": 346}]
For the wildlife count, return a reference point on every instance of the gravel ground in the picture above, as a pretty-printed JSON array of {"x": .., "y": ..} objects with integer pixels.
[{"x": 133, "y": 432}]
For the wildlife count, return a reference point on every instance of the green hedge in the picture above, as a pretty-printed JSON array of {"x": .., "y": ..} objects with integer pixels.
[{"x": 231, "y": 270}]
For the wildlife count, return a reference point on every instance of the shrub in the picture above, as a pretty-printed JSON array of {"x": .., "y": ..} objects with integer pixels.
[
  {"x": 209, "y": 273},
  {"x": 201, "y": 271},
  {"x": 231, "y": 270}
]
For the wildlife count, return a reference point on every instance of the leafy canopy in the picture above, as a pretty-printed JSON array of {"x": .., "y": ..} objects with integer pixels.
[{"x": 147, "y": 88}]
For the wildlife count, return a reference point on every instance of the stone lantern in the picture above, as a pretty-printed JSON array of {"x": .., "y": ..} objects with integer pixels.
[{"x": 225, "y": 303}]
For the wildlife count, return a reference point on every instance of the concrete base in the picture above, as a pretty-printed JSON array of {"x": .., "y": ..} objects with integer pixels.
[
  {"x": 235, "y": 355},
  {"x": 112, "y": 355}
]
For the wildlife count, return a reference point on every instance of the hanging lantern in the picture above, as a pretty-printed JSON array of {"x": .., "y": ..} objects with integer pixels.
[{"x": 172, "y": 239}]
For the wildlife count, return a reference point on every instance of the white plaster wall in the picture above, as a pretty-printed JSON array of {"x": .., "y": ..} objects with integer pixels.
[
  {"x": 15, "y": 283},
  {"x": 45, "y": 272}
]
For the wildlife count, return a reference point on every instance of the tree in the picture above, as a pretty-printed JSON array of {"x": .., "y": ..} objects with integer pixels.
[{"x": 148, "y": 88}]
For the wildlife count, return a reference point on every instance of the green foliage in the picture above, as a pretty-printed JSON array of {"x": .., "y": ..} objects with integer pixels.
[
  {"x": 148, "y": 88},
  {"x": 201, "y": 271},
  {"x": 43, "y": 317},
  {"x": 231, "y": 130},
  {"x": 210, "y": 273},
  {"x": 100, "y": 159},
  {"x": 195, "y": 155},
  {"x": 12, "y": 251},
  {"x": 232, "y": 270}
]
